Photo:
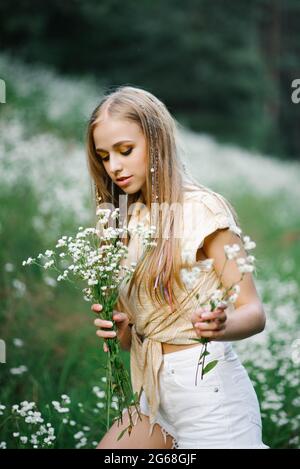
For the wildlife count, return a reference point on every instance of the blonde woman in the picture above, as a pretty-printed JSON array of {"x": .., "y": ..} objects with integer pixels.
[{"x": 132, "y": 146}]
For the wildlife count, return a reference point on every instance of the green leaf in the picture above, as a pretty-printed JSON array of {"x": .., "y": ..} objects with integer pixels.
[
  {"x": 210, "y": 366},
  {"x": 204, "y": 354}
]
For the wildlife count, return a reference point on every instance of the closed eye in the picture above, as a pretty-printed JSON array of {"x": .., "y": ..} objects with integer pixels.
[{"x": 126, "y": 153}]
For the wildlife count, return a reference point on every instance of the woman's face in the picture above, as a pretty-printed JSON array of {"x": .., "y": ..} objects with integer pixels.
[{"x": 128, "y": 158}]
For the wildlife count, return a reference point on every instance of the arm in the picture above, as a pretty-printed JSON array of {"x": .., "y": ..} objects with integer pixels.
[{"x": 248, "y": 318}]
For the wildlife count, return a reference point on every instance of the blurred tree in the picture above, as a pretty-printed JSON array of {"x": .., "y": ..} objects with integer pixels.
[{"x": 221, "y": 67}]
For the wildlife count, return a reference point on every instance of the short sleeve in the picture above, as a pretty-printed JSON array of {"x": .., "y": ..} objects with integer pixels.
[
  {"x": 205, "y": 213},
  {"x": 216, "y": 215}
]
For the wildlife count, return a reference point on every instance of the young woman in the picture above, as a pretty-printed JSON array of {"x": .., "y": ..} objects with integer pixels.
[{"x": 133, "y": 152}]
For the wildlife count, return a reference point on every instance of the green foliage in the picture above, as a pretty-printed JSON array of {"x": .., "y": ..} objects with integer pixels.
[{"x": 238, "y": 58}]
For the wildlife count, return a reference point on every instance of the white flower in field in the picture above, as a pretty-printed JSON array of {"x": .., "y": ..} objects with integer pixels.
[
  {"x": 62, "y": 254},
  {"x": 24, "y": 439},
  {"x": 18, "y": 342},
  {"x": 100, "y": 394},
  {"x": 86, "y": 429},
  {"x": 65, "y": 421},
  {"x": 50, "y": 281},
  {"x": 19, "y": 371},
  {"x": 16, "y": 434},
  {"x": 61, "y": 410},
  {"x": 78, "y": 435},
  {"x": 92, "y": 281},
  {"x": 115, "y": 213},
  {"x": 81, "y": 443},
  {"x": 61, "y": 243},
  {"x": 233, "y": 298},
  {"x": 49, "y": 253},
  {"x": 231, "y": 250},
  {"x": 250, "y": 259},
  {"x": 248, "y": 244},
  {"x": 102, "y": 212},
  {"x": 100, "y": 405},
  {"x": 30, "y": 260},
  {"x": 243, "y": 266},
  {"x": 2, "y": 407},
  {"x": 241, "y": 261},
  {"x": 66, "y": 399},
  {"x": 48, "y": 264},
  {"x": 217, "y": 295},
  {"x": 72, "y": 423},
  {"x": 9, "y": 267},
  {"x": 3, "y": 445},
  {"x": 19, "y": 286}
]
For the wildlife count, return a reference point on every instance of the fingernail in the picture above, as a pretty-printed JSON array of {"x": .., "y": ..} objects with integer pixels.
[{"x": 205, "y": 315}]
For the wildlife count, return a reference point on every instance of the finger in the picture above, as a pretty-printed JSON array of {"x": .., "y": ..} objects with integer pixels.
[
  {"x": 206, "y": 334},
  {"x": 105, "y": 348},
  {"x": 203, "y": 326},
  {"x": 96, "y": 307},
  {"x": 118, "y": 317},
  {"x": 103, "y": 323},
  {"x": 213, "y": 315},
  {"x": 106, "y": 334},
  {"x": 221, "y": 319}
]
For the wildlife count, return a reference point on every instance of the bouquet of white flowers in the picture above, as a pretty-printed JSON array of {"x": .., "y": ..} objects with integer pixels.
[
  {"x": 221, "y": 297},
  {"x": 95, "y": 255}
]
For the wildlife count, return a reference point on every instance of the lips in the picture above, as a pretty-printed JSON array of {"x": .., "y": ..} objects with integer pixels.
[
  {"x": 124, "y": 181},
  {"x": 123, "y": 178}
]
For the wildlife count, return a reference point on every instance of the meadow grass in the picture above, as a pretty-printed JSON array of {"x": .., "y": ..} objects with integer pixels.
[{"x": 48, "y": 327}]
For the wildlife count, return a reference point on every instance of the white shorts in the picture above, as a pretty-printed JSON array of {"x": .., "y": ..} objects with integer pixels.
[{"x": 222, "y": 411}]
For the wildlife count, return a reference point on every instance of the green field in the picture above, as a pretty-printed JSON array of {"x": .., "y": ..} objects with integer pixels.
[{"x": 45, "y": 192}]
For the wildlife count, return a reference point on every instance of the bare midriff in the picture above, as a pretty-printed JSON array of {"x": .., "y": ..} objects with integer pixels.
[{"x": 169, "y": 348}]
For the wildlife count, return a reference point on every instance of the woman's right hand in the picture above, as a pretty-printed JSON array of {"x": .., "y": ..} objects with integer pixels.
[{"x": 121, "y": 320}]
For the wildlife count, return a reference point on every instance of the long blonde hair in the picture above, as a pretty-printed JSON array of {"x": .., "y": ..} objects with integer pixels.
[{"x": 160, "y": 130}]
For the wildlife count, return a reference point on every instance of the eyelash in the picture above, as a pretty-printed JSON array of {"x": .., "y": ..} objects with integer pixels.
[{"x": 126, "y": 153}]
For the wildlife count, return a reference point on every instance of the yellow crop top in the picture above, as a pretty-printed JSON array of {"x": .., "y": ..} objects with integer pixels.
[{"x": 203, "y": 213}]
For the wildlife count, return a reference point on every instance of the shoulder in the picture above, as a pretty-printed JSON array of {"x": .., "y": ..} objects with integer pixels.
[
  {"x": 210, "y": 201},
  {"x": 208, "y": 211}
]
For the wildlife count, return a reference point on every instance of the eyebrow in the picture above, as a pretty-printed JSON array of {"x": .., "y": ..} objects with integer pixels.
[{"x": 115, "y": 144}]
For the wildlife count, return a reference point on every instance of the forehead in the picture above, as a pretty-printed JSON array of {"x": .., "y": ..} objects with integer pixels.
[{"x": 109, "y": 131}]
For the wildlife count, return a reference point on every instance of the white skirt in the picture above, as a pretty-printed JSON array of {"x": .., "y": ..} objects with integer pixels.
[{"x": 222, "y": 411}]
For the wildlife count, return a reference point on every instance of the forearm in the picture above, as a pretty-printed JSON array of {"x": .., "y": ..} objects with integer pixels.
[
  {"x": 125, "y": 338},
  {"x": 243, "y": 322}
]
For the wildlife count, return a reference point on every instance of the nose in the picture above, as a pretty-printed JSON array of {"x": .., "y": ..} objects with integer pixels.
[{"x": 115, "y": 164}]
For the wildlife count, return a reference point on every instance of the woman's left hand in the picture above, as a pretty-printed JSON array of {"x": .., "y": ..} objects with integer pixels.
[{"x": 210, "y": 324}]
